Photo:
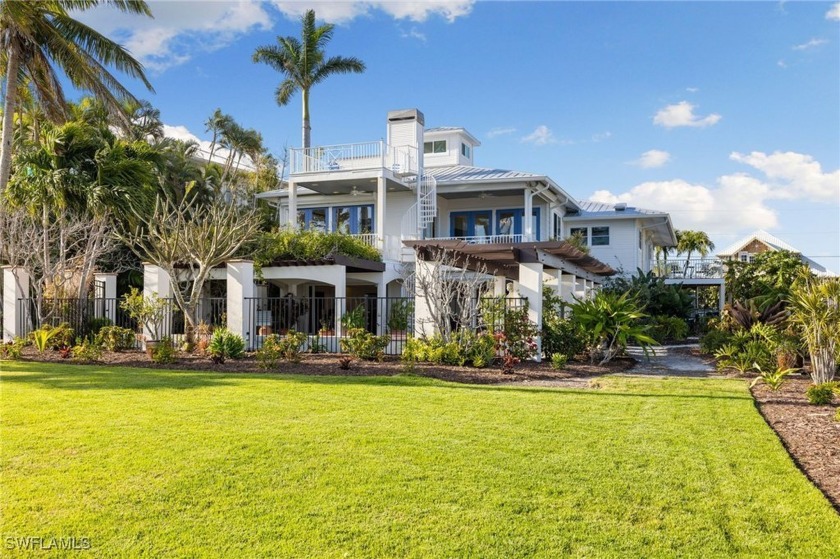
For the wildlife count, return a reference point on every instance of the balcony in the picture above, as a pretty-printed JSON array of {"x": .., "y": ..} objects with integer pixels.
[
  {"x": 695, "y": 268},
  {"x": 366, "y": 156},
  {"x": 487, "y": 239}
]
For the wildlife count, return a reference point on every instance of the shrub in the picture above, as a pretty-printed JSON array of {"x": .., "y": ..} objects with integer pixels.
[
  {"x": 401, "y": 312},
  {"x": 772, "y": 378},
  {"x": 563, "y": 336},
  {"x": 466, "y": 348},
  {"x": 612, "y": 321},
  {"x": 821, "y": 394},
  {"x": 668, "y": 328},
  {"x": 558, "y": 361},
  {"x": 361, "y": 344},
  {"x": 275, "y": 348},
  {"x": 837, "y": 416},
  {"x": 344, "y": 362},
  {"x": 713, "y": 340},
  {"x": 289, "y": 244},
  {"x": 225, "y": 344},
  {"x": 114, "y": 338},
  {"x": 87, "y": 350},
  {"x": 164, "y": 351},
  {"x": 12, "y": 350},
  {"x": 354, "y": 319},
  {"x": 315, "y": 345},
  {"x": 148, "y": 311}
]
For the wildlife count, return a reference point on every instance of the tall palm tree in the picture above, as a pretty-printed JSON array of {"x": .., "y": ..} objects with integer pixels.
[
  {"x": 39, "y": 38},
  {"x": 303, "y": 63},
  {"x": 693, "y": 241},
  {"x": 217, "y": 123}
]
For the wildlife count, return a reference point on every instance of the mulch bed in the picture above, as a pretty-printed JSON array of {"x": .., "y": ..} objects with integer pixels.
[
  {"x": 327, "y": 364},
  {"x": 810, "y": 433}
]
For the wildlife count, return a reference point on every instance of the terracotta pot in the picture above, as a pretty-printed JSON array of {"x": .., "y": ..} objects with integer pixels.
[
  {"x": 264, "y": 331},
  {"x": 150, "y": 347},
  {"x": 785, "y": 360}
]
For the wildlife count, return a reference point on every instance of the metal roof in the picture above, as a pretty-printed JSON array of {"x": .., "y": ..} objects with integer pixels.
[
  {"x": 463, "y": 173},
  {"x": 599, "y": 209},
  {"x": 760, "y": 235}
]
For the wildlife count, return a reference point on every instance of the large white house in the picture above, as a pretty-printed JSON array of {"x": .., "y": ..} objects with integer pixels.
[{"x": 423, "y": 183}]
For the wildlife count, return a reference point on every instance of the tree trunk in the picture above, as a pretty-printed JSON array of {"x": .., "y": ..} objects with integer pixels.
[
  {"x": 9, "y": 106},
  {"x": 306, "y": 127}
]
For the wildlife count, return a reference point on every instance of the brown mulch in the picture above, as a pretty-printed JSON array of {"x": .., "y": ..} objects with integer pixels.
[
  {"x": 540, "y": 374},
  {"x": 809, "y": 433}
]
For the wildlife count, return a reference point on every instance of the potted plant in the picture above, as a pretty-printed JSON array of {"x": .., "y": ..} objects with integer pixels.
[
  {"x": 149, "y": 312},
  {"x": 400, "y": 315},
  {"x": 326, "y": 329}
]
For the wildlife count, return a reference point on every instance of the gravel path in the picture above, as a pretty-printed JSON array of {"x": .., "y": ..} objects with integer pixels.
[{"x": 673, "y": 361}]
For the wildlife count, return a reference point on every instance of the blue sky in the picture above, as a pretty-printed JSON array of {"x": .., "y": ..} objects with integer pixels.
[{"x": 725, "y": 114}]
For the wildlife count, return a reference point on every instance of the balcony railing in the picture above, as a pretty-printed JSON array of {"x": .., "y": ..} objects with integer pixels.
[
  {"x": 401, "y": 160},
  {"x": 487, "y": 239},
  {"x": 695, "y": 268}
]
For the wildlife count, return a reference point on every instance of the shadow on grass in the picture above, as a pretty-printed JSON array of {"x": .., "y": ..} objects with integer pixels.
[{"x": 73, "y": 377}]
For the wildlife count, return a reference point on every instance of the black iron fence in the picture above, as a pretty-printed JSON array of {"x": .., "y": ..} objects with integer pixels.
[
  {"x": 87, "y": 316},
  {"x": 326, "y": 320}
]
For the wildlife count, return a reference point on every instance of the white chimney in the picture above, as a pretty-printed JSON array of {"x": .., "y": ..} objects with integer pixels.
[{"x": 405, "y": 128}]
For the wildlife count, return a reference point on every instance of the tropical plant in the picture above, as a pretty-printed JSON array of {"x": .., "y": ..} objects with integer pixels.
[
  {"x": 225, "y": 344},
  {"x": 304, "y": 64},
  {"x": 821, "y": 394},
  {"x": 12, "y": 350},
  {"x": 713, "y": 340},
  {"x": 42, "y": 338},
  {"x": 773, "y": 378},
  {"x": 655, "y": 297},
  {"x": 612, "y": 321},
  {"x": 164, "y": 351},
  {"x": 150, "y": 311},
  {"x": 560, "y": 335},
  {"x": 115, "y": 338},
  {"x": 689, "y": 242},
  {"x": 668, "y": 328},
  {"x": 40, "y": 38},
  {"x": 401, "y": 312},
  {"x": 354, "y": 319},
  {"x": 362, "y": 344},
  {"x": 816, "y": 312},
  {"x": 558, "y": 361},
  {"x": 769, "y": 278},
  {"x": 287, "y": 244},
  {"x": 87, "y": 350}
]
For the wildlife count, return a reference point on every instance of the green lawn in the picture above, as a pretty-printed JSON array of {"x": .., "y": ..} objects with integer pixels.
[{"x": 175, "y": 464}]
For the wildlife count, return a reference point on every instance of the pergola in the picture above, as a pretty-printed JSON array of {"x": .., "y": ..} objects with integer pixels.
[{"x": 559, "y": 265}]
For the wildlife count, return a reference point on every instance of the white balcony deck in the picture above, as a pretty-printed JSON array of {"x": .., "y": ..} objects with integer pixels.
[{"x": 365, "y": 156}]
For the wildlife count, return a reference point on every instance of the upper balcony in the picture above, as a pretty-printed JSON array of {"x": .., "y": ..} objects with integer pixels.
[
  {"x": 693, "y": 269},
  {"x": 398, "y": 162}
]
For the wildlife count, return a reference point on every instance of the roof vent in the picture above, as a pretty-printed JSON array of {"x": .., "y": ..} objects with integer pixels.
[{"x": 620, "y": 207}]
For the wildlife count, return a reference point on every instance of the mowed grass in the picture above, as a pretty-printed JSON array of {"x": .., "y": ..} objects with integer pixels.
[{"x": 178, "y": 464}]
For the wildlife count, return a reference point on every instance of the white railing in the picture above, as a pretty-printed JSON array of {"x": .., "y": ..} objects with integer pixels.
[
  {"x": 487, "y": 239},
  {"x": 367, "y": 238},
  {"x": 401, "y": 160}
]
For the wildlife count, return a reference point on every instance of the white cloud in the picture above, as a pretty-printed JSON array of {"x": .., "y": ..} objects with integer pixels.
[
  {"x": 692, "y": 89},
  {"x": 541, "y": 136},
  {"x": 813, "y": 43},
  {"x": 833, "y": 14},
  {"x": 793, "y": 175},
  {"x": 682, "y": 114},
  {"x": 496, "y": 132},
  {"x": 781, "y": 64},
  {"x": 179, "y": 30},
  {"x": 413, "y": 33},
  {"x": 736, "y": 201},
  {"x": 345, "y": 11},
  {"x": 601, "y": 136},
  {"x": 652, "y": 159}
]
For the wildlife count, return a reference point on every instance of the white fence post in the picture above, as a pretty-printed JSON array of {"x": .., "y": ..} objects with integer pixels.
[
  {"x": 531, "y": 286},
  {"x": 240, "y": 285},
  {"x": 15, "y": 286},
  {"x": 157, "y": 282}
]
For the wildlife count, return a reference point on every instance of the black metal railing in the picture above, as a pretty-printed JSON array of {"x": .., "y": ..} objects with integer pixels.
[{"x": 326, "y": 320}]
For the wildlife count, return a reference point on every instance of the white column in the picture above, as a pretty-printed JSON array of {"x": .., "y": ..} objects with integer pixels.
[
  {"x": 568, "y": 287},
  {"x": 527, "y": 219},
  {"x": 499, "y": 286},
  {"x": 721, "y": 297},
  {"x": 340, "y": 299},
  {"x": 15, "y": 286},
  {"x": 580, "y": 288},
  {"x": 107, "y": 307},
  {"x": 531, "y": 286},
  {"x": 293, "y": 223},
  {"x": 240, "y": 285},
  {"x": 424, "y": 325},
  {"x": 156, "y": 283},
  {"x": 381, "y": 189}
]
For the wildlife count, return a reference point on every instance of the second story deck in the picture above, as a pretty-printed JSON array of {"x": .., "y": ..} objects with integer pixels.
[
  {"x": 691, "y": 269},
  {"x": 333, "y": 160}
]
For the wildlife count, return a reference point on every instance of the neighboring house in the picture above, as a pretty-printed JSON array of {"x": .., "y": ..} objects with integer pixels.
[
  {"x": 619, "y": 235},
  {"x": 744, "y": 250}
]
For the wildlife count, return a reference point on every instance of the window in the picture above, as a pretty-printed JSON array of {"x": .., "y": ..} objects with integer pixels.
[
  {"x": 465, "y": 150},
  {"x": 510, "y": 222},
  {"x": 600, "y": 236},
  {"x": 314, "y": 219},
  {"x": 437, "y": 146},
  {"x": 581, "y": 232},
  {"x": 640, "y": 240},
  {"x": 353, "y": 220},
  {"x": 471, "y": 224},
  {"x": 745, "y": 257},
  {"x": 558, "y": 227}
]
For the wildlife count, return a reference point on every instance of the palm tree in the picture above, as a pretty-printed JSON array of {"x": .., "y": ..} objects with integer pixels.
[
  {"x": 39, "y": 38},
  {"x": 217, "y": 124},
  {"x": 693, "y": 241},
  {"x": 304, "y": 64}
]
